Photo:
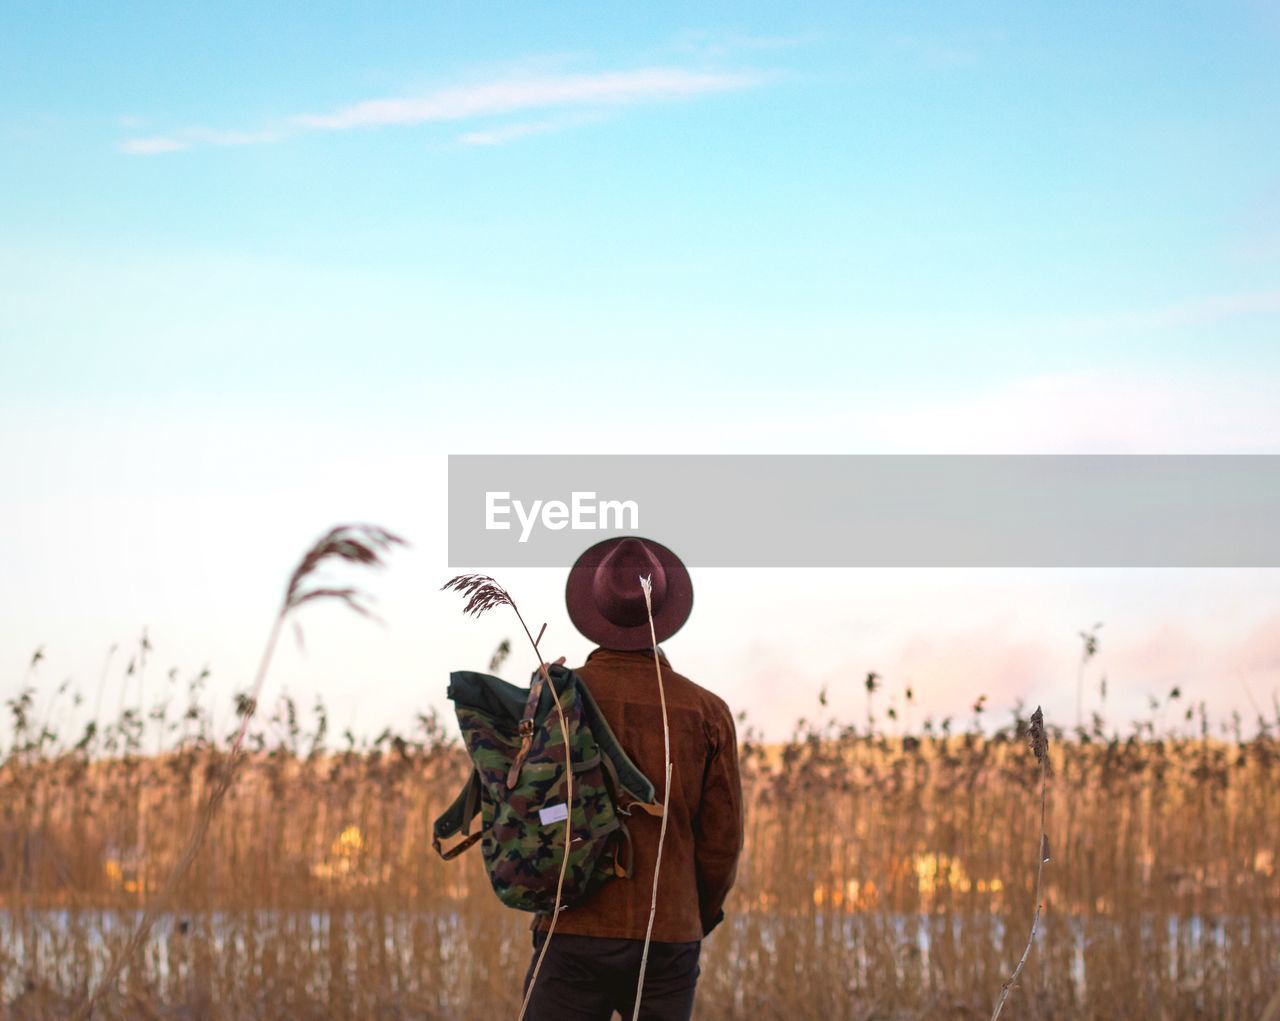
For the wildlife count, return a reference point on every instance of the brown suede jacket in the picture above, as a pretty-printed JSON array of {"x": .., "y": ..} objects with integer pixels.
[{"x": 704, "y": 830}]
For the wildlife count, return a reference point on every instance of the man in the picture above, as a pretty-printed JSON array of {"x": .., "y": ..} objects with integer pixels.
[{"x": 593, "y": 963}]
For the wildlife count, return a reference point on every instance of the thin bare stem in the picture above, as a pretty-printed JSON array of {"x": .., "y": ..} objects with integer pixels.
[
  {"x": 568, "y": 823},
  {"x": 1088, "y": 650},
  {"x": 483, "y": 594},
  {"x": 1039, "y": 745},
  {"x": 646, "y": 584},
  {"x": 194, "y": 842},
  {"x": 359, "y": 544}
]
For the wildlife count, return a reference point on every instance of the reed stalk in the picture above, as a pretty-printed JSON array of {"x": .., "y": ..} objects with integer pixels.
[
  {"x": 646, "y": 583},
  {"x": 358, "y": 544},
  {"x": 483, "y": 594},
  {"x": 1040, "y": 746}
]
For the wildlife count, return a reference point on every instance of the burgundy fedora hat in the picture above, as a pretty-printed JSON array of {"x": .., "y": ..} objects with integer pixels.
[{"x": 606, "y": 602}]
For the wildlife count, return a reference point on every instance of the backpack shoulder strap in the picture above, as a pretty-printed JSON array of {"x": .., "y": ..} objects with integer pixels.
[{"x": 457, "y": 817}]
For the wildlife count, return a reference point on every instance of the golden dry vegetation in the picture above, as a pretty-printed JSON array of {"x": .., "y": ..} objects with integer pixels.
[{"x": 884, "y": 877}]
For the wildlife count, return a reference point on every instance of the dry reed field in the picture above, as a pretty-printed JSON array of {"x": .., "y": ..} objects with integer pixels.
[{"x": 884, "y": 876}]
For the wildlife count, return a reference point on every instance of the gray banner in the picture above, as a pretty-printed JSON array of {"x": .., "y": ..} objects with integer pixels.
[{"x": 871, "y": 510}]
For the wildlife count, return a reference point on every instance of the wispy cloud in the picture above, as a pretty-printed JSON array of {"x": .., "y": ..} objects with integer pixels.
[
  {"x": 502, "y": 133},
  {"x": 153, "y": 146},
  {"x": 478, "y": 100},
  {"x": 192, "y": 137}
]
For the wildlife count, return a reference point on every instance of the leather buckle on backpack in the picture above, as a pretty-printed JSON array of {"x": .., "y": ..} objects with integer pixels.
[{"x": 526, "y": 742}]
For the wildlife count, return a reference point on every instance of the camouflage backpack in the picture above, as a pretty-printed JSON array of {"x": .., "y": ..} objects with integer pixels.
[{"x": 518, "y": 787}]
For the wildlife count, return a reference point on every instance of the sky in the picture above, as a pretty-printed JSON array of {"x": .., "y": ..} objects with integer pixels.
[{"x": 263, "y": 267}]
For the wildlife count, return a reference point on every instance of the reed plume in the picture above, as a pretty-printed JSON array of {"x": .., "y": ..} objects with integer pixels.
[
  {"x": 356, "y": 544},
  {"x": 483, "y": 594}
]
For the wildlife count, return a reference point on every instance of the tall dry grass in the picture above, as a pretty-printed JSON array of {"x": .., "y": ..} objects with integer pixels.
[{"x": 883, "y": 877}]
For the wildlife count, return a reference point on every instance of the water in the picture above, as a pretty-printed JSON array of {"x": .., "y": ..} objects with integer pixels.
[{"x": 58, "y": 943}]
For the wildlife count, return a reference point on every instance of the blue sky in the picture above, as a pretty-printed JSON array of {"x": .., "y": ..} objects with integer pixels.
[{"x": 263, "y": 266}]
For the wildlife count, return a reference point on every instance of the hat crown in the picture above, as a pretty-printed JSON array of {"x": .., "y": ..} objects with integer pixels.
[
  {"x": 605, "y": 599},
  {"x": 616, "y": 588}
]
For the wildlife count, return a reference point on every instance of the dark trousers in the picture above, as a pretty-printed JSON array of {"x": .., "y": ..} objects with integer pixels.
[{"x": 587, "y": 978}]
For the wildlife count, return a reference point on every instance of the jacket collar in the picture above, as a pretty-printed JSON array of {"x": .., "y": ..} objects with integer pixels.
[{"x": 627, "y": 654}]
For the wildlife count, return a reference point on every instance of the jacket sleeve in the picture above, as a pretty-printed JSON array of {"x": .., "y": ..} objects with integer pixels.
[{"x": 718, "y": 829}]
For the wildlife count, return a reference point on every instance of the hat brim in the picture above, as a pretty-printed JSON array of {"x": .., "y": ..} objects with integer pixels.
[{"x": 668, "y": 618}]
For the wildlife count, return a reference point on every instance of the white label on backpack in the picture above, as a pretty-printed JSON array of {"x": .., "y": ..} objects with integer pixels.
[{"x": 553, "y": 813}]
